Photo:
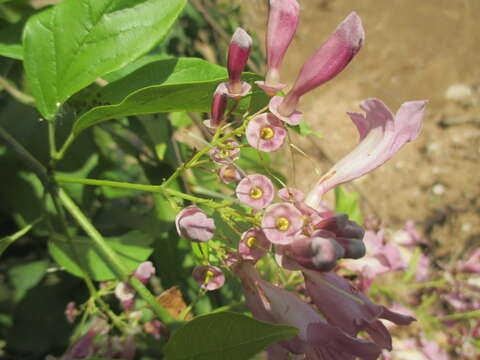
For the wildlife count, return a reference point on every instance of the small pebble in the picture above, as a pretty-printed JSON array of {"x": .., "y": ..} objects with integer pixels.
[
  {"x": 438, "y": 189},
  {"x": 460, "y": 93}
]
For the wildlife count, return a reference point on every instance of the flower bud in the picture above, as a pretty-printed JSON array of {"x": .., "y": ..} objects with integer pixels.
[
  {"x": 282, "y": 23},
  {"x": 334, "y": 55},
  {"x": 144, "y": 271},
  {"x": 219, "y": 104},
  {"x": 193, "y": 224},
  {"x": 238, "y": 54}
]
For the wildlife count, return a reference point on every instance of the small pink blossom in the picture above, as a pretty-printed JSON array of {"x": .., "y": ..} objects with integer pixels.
[
  {"x": 255, "y": 190},
  {"x": 382, "y": 134},
  {"x": 281, "y": 223},
  {"x": 253, "y": 245},
  {"x": 238, "y": 54},
  {"x": 144, "y": 271},
  {"x": 209, "y": 277},
  {"x": 194, "y": 225},
  {"x": 124, "y": 291},
  {"x": 282, "y": 23},
  {"x": 225, "y": 154},
  {"x": 83, "y": 347},
  {"x": 71, "y": 312},
  {"x": 334, "y": 55},
  {"x": 265, "y": 132},
  {"x": 229, "y": 173}
]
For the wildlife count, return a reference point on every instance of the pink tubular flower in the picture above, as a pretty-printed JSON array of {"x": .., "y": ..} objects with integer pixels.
[
  {"x": 273, "y": 304},
  {"x": 253, "y": 245},
  {"x": 382, "y": 134},
  {"x": 238, "y": 54},
  {"x": 326, "y": 63},
  {"x": 349, "y": 309},
  {"x": 281, "y": 223},
  {"x": 229, "y": 173},
  {"x": 291, "y": 194},
  {"x": 193, "y": 224},
  {"x": 255, "y": 190},
  {"x": 265, "y": 132},
  {"x": 226, "y": 154},
  {"x": 209, "y": 277},
  {"x": 144, "y": 271},
  {"x": 282, "y": 23},
  {"x": 219, "y": 104}
]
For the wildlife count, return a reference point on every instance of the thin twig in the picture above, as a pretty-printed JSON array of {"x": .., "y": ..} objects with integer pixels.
[{"x": 15, "y": 93}]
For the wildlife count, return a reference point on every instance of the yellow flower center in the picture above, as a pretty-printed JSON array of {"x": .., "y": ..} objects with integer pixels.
[
  {"x": 224, "y": 153},
  {"x": 208, "y": 276},
  {"x": 267, "y": 133},
  {"x": 256, "y": 193},
  {"x": 282, "y": 224},
  {"x": 250, "y": 241}
]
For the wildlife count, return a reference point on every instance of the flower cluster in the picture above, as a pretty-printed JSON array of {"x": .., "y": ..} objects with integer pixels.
[{"x": 301, "y": 232}]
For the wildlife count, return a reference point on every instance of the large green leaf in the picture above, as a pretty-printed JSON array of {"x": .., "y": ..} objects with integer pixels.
[
  {"x": 70, "y": 45},
  {"x": 224, "y": 335},
  {"x": 184, "y": 84},
  {"x": 132, "y": 248}
]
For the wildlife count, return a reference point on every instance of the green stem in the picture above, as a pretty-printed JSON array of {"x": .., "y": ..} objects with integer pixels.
[
  {"x": 111, "y": 257},
  {"x": 459, "y": 316},
  {"x": 9, "y": 240},
  {"x": 52, "y": 140},
  {"x": 60, "y": 154}
]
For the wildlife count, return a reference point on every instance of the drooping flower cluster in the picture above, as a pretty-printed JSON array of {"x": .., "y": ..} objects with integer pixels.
[{"x": 302, "y": 233}]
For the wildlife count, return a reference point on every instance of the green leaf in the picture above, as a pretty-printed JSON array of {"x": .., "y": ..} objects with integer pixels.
[
  {"x": 184, "y": 84},
  {"x": 224, "y": 335},
  {"x": 70, "y": 45},
  {"x": 171, "y": 85},
  {"x": 348, "y": 203},
  {"x": 132, "y": 248},
  {"x": 26, "y": 276}
]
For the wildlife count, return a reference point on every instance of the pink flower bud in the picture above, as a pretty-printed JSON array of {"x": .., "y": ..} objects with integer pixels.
[
  {"x": 326, "y": 63},
  {"x": 281, "y": 223},
  {"x": 124, "y": 292},
  {"x": 320, "y": 252},
  {"x": 255, "y": 190},
  {"x": 238, "y": 54},
  {"x": 253, "y": 245},
  {"x": 209, "y": 277},
  {"x": 219, "y": 104},
  {"x": 282, "y": 24},
  {"x": 194, "y": 225},
  {"x": 144, "y": 271},
  {"x": 225, "y": 154},
  {"x": 265, "y": 132},
  {"x": 229, "y": 173}
]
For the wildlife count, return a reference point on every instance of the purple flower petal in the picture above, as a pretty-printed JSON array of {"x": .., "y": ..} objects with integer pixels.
[{"x": 253, "y": 245}]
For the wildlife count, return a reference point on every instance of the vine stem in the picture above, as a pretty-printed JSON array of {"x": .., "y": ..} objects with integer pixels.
[{"x": 111, "y": 257}]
